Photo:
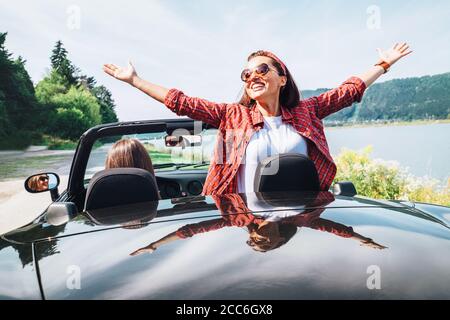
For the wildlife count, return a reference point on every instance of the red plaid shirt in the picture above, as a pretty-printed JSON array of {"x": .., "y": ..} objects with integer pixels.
[
  {"x": 235, "y": 213},
  {"x": 237, "y": 123}
]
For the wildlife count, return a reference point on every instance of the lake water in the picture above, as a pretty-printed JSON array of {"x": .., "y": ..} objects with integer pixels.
[{"x": 424, "y": 149}]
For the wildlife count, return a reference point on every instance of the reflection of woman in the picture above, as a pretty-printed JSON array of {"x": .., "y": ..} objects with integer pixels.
[
  {"x": 264, "y": 233},
  {"x": 268, "y": 120},
  {"x": 38, "y": 183},
  {"x": 129, "y": 153}
]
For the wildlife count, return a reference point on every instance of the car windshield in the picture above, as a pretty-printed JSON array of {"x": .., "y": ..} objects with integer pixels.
[{"x": 177, "y": 157}]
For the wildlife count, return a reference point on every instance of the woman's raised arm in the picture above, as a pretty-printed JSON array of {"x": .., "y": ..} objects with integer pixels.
[
  {"x": 352, "y": 89},
  {"x": 130, "y": 76},
  {"x": 390, "y": 56},
  {"x": 195, "y": 108}
]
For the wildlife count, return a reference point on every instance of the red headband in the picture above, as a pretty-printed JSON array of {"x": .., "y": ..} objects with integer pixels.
[{"x": 274, "y": 57}]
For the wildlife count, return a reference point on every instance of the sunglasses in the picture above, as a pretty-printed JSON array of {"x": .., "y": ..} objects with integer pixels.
[
  {"x": 43, "y": 178},
  {"x": 261, "y": 70}
]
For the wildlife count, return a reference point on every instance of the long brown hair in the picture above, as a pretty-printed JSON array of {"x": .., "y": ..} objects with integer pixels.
[
  {"x": 129, "y": 153},
  {"x": 289, "y": 93}
]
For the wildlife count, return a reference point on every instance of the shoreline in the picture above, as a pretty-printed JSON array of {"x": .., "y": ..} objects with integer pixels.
[
  {"x": 65, "y": 151},
  {"x": 387, "y": 124}
]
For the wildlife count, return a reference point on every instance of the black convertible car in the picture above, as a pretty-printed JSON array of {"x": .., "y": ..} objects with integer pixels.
[{"x": 119, "y": 234}]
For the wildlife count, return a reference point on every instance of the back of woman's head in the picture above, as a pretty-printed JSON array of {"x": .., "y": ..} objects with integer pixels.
[
  {"x": 129, "y": 153},
  {"x": 289, "y": 93}
]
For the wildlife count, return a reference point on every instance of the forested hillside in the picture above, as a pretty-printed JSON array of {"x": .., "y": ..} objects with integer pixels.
[{"x": 407, "y": 99}]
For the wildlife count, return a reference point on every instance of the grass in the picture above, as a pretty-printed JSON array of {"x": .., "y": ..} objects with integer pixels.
[
  {"x": 54, "y": 143},
  {"x": 14, "y": 167},
  {"x": 160, "y": 157}
]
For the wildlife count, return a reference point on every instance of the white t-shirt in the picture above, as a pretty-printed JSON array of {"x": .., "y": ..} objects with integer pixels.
[
  {"x": 262, "y": 209},
  {"x": 274, "y": 138}
]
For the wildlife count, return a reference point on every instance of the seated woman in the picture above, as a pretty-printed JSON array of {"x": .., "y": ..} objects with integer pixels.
[{"x": 129, "y": 153}]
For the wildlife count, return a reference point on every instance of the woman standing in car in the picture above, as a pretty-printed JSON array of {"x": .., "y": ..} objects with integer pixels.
[{"x": 269, "y": 119}]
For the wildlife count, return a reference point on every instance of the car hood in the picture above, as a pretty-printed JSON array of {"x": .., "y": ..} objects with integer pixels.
[
  {"x": 210, "y": 258},
  {"x": 48, "y": 226}
]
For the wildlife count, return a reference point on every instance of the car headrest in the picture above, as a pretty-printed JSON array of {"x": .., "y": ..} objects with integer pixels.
[
  {"x": 140, "y": 212},
  {"x": 286, "y": 172},
  {"x": 120, "y": 186}
]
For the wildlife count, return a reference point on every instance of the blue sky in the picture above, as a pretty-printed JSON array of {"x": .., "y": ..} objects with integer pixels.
[{"x": 201, "y": 46}]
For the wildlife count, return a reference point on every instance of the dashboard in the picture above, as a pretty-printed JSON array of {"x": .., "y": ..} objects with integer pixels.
[{"x": 180, "y": 183}]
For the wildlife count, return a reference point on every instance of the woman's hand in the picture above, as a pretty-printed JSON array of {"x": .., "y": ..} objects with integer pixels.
[
  {"x": 372, "y": 244},
  {"x": 392, "y": 55},
  {"x": 148, "y": 249},
  {"x": 127, "y": 74}
]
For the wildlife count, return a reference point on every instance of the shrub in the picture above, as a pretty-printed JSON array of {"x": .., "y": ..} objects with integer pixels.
[
  {"x": 382, "y": 179},
  {"x": 55, "y": 143}
]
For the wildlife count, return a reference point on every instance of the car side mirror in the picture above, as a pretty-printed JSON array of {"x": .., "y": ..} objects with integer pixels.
[
  {"x": 344, "y": 188},
  {"x": 59, "y": 213},
  {"x": 183, "y": 141},
  {"x": 42, "y": 182}
]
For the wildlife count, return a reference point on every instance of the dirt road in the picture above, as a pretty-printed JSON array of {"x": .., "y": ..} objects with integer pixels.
[{"x": 17, "y": 206}]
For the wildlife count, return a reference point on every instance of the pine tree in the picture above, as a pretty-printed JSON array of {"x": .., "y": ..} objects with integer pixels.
[
  {"x": 87, "y": 82},
  {"x": 19, "y": 112},
  {"x": 107, "y": 105},
  {"x": 59, "y": 55},
  {"x": 62, "y": 65}
]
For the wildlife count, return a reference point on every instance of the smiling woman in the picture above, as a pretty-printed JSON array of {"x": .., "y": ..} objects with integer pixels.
[{"x": 270, "y": 118}]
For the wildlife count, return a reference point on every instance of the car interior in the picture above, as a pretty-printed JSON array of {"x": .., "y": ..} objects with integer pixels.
[
  {"x": 120, "y": 186},
  {"x": 181, "y": 150}
]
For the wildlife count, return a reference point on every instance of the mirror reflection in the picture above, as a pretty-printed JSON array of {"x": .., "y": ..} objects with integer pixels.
[
  {"x": 183, "y": 141},
  {"x": 267, "y": 229},
  {"x": 130, "y": 216},
  {"x": 41, "y": 182}
]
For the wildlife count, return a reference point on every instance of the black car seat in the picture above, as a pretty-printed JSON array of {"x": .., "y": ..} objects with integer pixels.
[
  {"x": 120, "y": 186},
  {"x": 286, "y": 172}
]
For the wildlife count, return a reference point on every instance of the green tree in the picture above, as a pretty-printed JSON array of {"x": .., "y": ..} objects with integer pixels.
[
  {"x": 50, "y": 86},
  {"x": 62, "y": 65},
  {"x": 19, "y": 111},
  {"x": 107, "y": 105},
  {"x": 76, "y": 111},
  {"x": 62, "y": 104},
  {"x": 399, "y": 99},
  {"x": 87, "y": 82},
  {"x": 68, "y": 73}
]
